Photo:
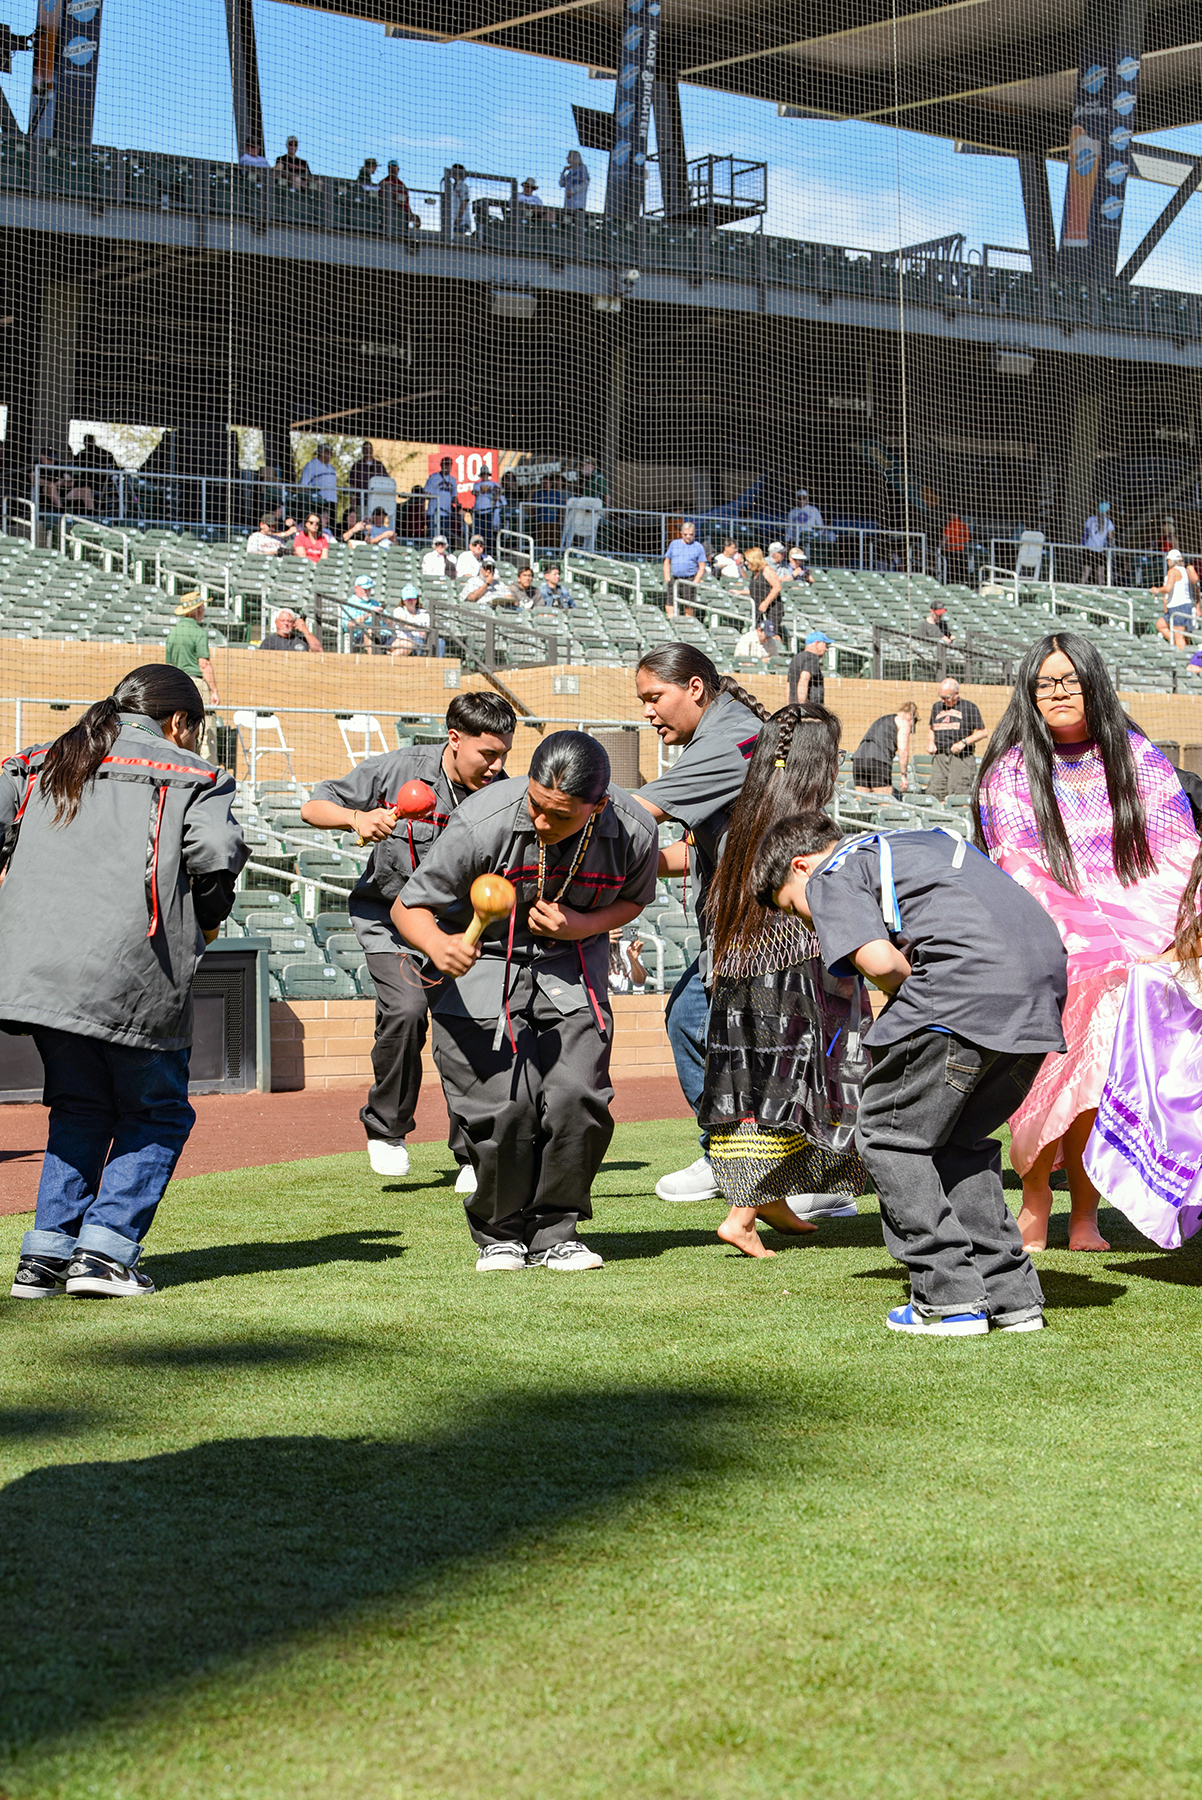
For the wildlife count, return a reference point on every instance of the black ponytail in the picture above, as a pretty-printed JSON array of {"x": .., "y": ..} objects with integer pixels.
[
  {"x": 680, "y": 663},
  {"x": 156, "y": 690}
]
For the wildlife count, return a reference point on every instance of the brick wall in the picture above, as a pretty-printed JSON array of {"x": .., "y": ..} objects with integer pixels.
[{"x": 327, "y": 1043}]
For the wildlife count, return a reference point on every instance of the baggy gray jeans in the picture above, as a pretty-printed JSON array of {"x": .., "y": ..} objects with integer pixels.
[{"x": 926, "y": 1114}]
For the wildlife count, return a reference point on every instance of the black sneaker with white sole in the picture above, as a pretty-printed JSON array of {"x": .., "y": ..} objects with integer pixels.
[
  {"x": 93, "y": 1273},
  {"x": 562, "y": 1257},
  {"x": 40, "y": 1277}
]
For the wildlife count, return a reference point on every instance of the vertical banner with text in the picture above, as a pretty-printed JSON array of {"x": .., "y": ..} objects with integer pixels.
[
  {"x": 1099, "y": 152},
  {"x": 632, "y": 109}
]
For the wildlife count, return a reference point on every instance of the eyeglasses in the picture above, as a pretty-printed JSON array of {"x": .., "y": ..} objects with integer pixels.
[{"x": 1046, "y": 686}]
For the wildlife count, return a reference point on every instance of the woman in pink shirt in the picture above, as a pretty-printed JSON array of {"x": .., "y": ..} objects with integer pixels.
[{"x": 311, "y": 542}]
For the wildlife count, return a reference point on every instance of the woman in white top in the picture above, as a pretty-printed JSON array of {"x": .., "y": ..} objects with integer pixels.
[
  {"x": 574, "y": 181},
  {"x": 1180, "y": 592}
]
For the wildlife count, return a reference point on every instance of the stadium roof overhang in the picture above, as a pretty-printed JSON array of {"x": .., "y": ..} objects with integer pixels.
[{"x": 998, "y": 74}]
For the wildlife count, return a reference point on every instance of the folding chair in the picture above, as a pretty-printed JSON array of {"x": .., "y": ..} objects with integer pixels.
[
  {"x": 252, "y": 727},
  {"x": 360, "y": 726}
]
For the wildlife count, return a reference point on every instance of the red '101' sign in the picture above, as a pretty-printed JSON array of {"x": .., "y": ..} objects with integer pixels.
[{"x": 467, "y": 467}]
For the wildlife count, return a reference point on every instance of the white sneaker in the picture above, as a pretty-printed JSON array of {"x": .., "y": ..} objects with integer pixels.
[
  {"x": 501, "y": 1257},
  {"x": 465, "y": 1182},
  {"x": 574, "y": 1255},
  {"x": 821, "y": 1206},
  {"x": 694, "y": 1183},
  {"x": 386, "y": 1158}
]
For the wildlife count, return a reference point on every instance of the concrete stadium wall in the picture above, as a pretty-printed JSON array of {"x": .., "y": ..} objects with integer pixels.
[
  {"x": 327, "y": 1043},
  {"x": 84, "y": 672}
]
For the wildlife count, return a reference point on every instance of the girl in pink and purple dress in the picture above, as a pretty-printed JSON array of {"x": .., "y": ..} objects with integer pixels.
[{"x": 1076, "y": 804}]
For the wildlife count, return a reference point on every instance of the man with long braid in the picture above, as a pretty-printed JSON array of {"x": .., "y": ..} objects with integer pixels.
[{"x": 717, "y": 723}]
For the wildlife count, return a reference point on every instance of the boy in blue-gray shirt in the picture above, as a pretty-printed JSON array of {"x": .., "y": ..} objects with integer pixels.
[{"x": 976, "y": 977}]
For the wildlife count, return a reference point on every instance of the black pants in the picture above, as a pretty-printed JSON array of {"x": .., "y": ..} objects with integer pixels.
[
  {"x": 402, "y": 1014},
  {"x": 536, "y": 1121},
  {"x": 926, "y": 1116}
]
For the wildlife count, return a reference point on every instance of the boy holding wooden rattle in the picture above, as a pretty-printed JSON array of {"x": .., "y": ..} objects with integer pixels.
[{"x": 523, "y": 1030}]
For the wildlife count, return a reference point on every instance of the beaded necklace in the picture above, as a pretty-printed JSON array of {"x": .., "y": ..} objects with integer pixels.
[{"x": 571, "y": 874}]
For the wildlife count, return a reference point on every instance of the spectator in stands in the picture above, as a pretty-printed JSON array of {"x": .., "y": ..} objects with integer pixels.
[
  {"x": 437, "y": 563},
  {"x": 591, "y": 483},
  {"x": 526, "y": 593},
  {"x": 1193, "y": 667},
  {"x": 553, "y": 499},
  {"x": 806, "y": 671},
  {"x": 78, "y": 494},
  {"x": 529, "y": 200},
  {"x": 574, "y": 181},
  {"x": 799, "y": 566},
  {"x": 461, "y": 201},
  {"x": 729, "y": 565},
  {"x": 805, "y": 519},
  {"x": 444, "y": 497},
  {"x": 684, "y": 564},
  {"x": 366, "y": 468},
  {"x": 291, "y": 633},
  {"x": 765, "y": 590},
  {"x": 1180, "y": 592},
  {"x": 366, "y": 177},
  {"x": 1168, "y": 539},
  {"x": 353, "y": 525},
  {"x": 252, "y": 156},
  {"x": 362, "y": 619},
  {"x": 484, "y": 588},
  {"x": 954, "y": 544},
  {"x": 187, "y": 647},
  {"x": 872, "y": 759},
  {"x": 552, "y": 593},
  {"x": 413, "y": 624},
  {"x": 956, "y": 725},
  {"x": 488, "y": 513},
  {"x": 1097, "y": 537},
  {"x": 779, "y": 562},
  {"x": 935, "y": 625},
  {"x": 626, "y": 971},
  {"x": 266, "y": 541},
  {"x": 377, "y": 532},
  {"x": 320, "y": 474},
  {"x": 469, "y": 560},
  {"x": 395, "y": 191},
  {"x": 294, "y": 168},
  {"x": 48, "y": 493},
  {"x": 312, "y": 541}
]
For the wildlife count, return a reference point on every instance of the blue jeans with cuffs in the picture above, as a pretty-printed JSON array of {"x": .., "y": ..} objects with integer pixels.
[
  {"x": 119, "y": 1118},
  {"x": 687, "y": 1020}
]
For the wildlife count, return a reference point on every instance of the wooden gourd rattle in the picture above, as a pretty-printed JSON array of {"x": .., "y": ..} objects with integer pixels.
[{"x": 492, "y": 898}]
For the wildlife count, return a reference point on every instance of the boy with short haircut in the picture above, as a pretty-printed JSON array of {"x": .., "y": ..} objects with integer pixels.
[{"x": 976, "y": 976}]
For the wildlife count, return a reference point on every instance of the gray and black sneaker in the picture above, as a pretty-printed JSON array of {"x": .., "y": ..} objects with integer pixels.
[
  {"x": 562, "y": 1257},
  {"x": 93, "y": 1273},
  {"x": 40, "y": 1277}
]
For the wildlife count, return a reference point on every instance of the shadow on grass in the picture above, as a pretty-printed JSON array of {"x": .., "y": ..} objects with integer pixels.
[
  {"x": 241, "y": 1354},
  {"x": 1062, "y": 1288},
  {"x": 178, "y": 1267},
  {"x": 642, "y": 1246},
  {"x": 629, "y": 1166},
  {"x": 22, "y": 1423},
  {"x": 1181, "y": 1268},
  {"x": 243, "y": 1544}
]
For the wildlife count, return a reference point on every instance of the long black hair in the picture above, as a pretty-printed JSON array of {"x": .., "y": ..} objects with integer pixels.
[
  {"x": 156, "y": 690},
  {"x": 574, "y": 763},
  {"x": 793, "y": 770},
  {"x": 678, "y": 663},
  {"x": 1107, "y": 724}
]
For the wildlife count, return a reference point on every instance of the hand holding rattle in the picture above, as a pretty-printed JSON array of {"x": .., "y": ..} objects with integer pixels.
[{"x": 492, "y": 898}]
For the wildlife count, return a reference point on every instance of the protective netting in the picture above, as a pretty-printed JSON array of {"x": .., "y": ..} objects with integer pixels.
[{"x": 903, "y": 302}]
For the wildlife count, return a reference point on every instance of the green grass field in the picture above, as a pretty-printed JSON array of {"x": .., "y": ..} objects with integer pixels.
[{"x": 334, "y": 1516}]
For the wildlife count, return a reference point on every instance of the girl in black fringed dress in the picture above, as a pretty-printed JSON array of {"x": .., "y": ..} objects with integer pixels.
[{"x": 781, "y": 1080}]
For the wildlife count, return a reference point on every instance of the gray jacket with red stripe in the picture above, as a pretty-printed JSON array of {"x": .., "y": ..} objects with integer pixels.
[{"x": 97, "y": 929}]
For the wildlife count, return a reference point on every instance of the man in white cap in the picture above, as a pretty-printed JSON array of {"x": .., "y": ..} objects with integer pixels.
[
  {"x": 436, "y": 564},
  {"x": 805, "y": 518},
  {"x": 361, "y": 619},
  {"x": 188, "y": 647}
]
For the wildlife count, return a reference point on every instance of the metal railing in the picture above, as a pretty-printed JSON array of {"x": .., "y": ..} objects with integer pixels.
[
  {"x": 1055, "y": 564},
  {"x": 981, "y": 659}
]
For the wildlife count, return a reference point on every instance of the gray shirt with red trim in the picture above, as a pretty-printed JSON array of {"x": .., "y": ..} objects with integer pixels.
[
  {"x": 492, "y": 834},
  {"x": 98, "y": 930},
  {"x": 375, "y": 782},
  {"x": 704, "y": 782}
]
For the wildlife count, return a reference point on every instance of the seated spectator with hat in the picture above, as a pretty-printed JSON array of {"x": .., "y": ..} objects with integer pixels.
[
  {"x": 362, "y": 621},
  {"x": 552, "y": 592},
  {"x": 799, "y": 566},
  {"x": 530, "y": 198},
  {"x": 291, "y": 633},
  {"x": 438, "y": 564},
  {"x": 187, "y": 647},
  {"x": 267, "y": 541},
  {"x": 484, "y": 588},
  {"x": 413, "y": 624},
  {"x": 805, "y": 671}
]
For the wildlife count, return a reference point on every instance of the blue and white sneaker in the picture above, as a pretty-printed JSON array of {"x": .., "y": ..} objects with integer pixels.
[{"x": 965, "y": 1324}]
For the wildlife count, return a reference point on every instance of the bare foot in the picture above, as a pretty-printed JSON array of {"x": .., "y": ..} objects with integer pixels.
[
  {"x": 1083, "y": 1234},
  {"x": 781, "y": 1217},
  {"x": 741, "y": 1232},
  {"x": 1033, "y": 1217}
]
